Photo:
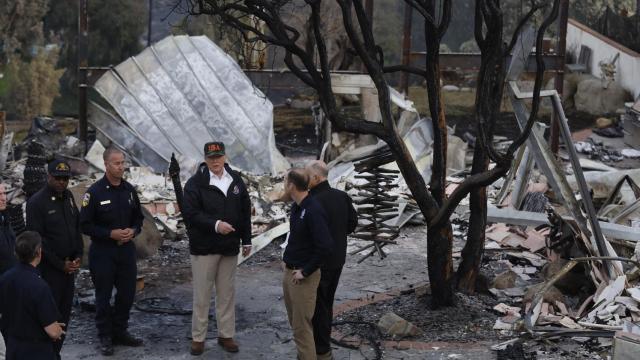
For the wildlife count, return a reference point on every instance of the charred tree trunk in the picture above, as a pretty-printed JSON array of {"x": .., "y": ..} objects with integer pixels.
[
  {"x": 439, "y": 236},
  {"x": 469, "y": 267},
  {"x": 488, "y": 100},
  {"x": 491, "y": 78},
  {"x": 439, "y": 259}
]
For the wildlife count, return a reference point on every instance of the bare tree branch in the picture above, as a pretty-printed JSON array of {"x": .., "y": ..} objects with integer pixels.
[
  {"x": 514, "y": 38},
  {"x": 405, "y": 68},
  {"x": 420, "y": 7},
  {"x": 540, "y": 68}
]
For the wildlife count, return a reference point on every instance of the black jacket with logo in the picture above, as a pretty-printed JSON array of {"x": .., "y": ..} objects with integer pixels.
[
  {"x": 57, "y": 219},
  {"x": 106, "y": 207},
  {"x": 342, "y": 220},
  {"x": 205, "y": 204},
  {"x": 310, "y": 242}
]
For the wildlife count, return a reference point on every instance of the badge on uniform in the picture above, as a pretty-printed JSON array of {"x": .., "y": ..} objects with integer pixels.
[
  {"x": 236, "y": 190},
  {"x": 85, "y": 199},
  {"x": 106, "y": 202},
  {"x": 52, "y": 212},
  {"x": 304, "y": 211}
]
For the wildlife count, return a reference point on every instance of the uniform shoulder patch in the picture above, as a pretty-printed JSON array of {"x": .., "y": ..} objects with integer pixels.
[{"x": 85, "y": 199}]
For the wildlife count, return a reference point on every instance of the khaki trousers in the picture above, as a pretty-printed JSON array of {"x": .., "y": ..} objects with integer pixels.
[
  {"x": 300, "y": 301},
  {"x": 211, "y": 271}
]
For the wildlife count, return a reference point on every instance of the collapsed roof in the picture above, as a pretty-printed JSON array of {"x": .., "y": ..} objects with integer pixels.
[{"x": 180, "y": 93}]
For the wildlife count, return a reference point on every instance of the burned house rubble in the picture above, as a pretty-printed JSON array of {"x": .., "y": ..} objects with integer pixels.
[{"x": 561, "y": 252}]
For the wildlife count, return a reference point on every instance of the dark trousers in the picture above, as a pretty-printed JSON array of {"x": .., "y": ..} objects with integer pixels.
[
  {"x": 62, "y": 287},
  {"x": 323, "y": 316},
  {"x": 113, "y": 266},
  {"x": 32, "y": 350}
]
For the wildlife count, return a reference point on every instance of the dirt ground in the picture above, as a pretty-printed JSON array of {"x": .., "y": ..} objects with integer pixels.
[
  {"x": 161, "y": 315},
  {"x": 262, "y": 328}
]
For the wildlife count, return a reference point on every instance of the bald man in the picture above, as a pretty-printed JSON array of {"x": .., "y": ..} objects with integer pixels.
[{"x": 342, "y": 220}]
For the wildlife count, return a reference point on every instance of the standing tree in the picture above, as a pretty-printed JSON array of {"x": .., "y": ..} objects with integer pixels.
[
  {"x": 312, "y": 66},
  {"x": 116, "y": 28},
  {"x": 30, "y": 79},
  {"x": 20, "y": 27}
]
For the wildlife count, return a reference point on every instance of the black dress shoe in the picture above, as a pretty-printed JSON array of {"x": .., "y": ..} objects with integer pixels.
[
  {"x": 106, "y": 346},
  {"x": 126, "y": 339}
]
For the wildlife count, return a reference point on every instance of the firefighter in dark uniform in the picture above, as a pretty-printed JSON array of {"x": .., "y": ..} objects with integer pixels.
[
  {"x": 52, "y": 213},
  {"x": 29, "y": 314},
  {"x": 112, "y": 217}
]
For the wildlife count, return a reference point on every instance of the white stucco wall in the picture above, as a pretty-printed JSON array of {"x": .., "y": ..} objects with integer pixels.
[{"x": 604, "y": 49}]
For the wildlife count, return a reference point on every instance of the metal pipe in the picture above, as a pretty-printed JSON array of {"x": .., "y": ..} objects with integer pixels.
[
  {"x": 406, "y": 47},
  {"x": 83, "y": 54},
  {"x": 559, "y": 78},
  {"x": 582, "y": 184}
]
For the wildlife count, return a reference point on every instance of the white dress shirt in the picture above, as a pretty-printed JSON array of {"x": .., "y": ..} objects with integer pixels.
[{"x": 223, "y": 182}]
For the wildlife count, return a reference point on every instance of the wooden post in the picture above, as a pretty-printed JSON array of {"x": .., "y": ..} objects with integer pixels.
[
  {"x": 406, "y": 47},
  {"x": 83, "y": 55}
]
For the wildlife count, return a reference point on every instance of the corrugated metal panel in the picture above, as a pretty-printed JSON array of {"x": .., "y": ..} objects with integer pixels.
[
  {"x": 185, "y": 91},
  {"x": 125, "y": 138}
]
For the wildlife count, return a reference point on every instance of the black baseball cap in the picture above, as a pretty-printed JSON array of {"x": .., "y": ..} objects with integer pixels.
[
  {"x": 59, "y": 168},
  {"x": 214, "y": 148}
]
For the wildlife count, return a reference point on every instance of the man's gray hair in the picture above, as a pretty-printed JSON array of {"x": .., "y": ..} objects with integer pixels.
[
  {"x": 319, "y": 168},
  {"x": 109, "y": 151}
]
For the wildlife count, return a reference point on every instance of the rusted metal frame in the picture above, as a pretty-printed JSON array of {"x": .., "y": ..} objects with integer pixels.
[
  {"x": 582, "y": 183},
  {"x": 547, "y": 162},
  {"x": 537, "y": 145}
]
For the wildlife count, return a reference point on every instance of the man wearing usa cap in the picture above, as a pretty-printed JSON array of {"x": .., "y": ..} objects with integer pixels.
[
  {"x": 52, "y": 213},
  {"x": 217, "y": 212}
]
